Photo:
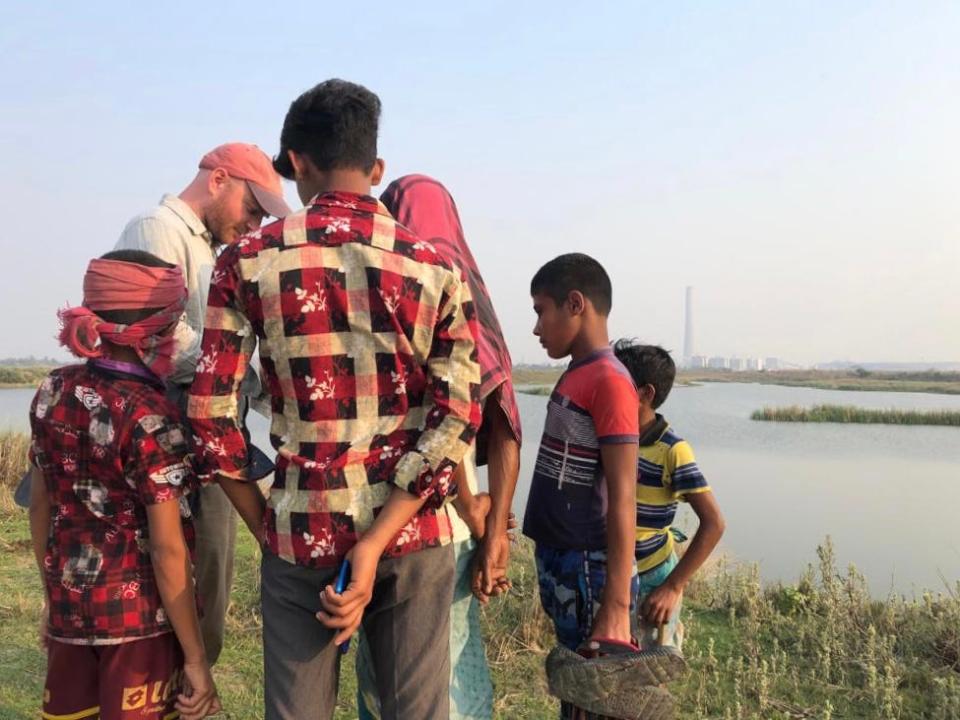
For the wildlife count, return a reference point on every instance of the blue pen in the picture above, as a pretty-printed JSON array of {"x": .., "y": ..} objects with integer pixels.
[{"x": 343, "y": 579}]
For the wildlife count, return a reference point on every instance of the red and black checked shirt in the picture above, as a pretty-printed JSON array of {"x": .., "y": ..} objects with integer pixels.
[
  {"x": 367, "y": 344},
  {"x": 107, "y": 447}
]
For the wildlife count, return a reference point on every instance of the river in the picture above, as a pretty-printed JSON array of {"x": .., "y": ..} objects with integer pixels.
[{"x": 888, "y": 495}]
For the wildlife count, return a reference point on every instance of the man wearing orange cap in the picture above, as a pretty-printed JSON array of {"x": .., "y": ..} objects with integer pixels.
[{"x": 233, "y": 190}]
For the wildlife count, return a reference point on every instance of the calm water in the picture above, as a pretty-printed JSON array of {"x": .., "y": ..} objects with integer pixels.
[{"x": 888, "y": 495}]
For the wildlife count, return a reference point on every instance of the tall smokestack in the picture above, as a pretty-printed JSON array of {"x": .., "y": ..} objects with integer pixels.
[{"x": 688, "y": 349}]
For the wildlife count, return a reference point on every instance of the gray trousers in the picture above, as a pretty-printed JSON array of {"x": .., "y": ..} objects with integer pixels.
[
  {"x": 216, "y": 533},
  {"x": 406, "y": 624},
  {"x": 216, "y": 540}
]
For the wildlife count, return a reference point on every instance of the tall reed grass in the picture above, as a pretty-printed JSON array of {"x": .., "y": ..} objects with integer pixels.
[
  {"x": 535, "y": 389},
  {"x": 13, "y": 461},
  {"x": 851, "y": 414},
  {"x": 821, "y": 648}
]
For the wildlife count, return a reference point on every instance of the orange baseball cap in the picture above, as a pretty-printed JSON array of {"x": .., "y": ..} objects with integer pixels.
[{"x": 250, "y": 163}]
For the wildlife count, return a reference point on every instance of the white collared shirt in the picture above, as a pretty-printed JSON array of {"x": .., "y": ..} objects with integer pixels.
[{"x": 173, "y": 232}]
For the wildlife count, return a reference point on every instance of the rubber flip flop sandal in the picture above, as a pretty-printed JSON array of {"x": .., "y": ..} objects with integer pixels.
[
  {"x": 598, "y": 647},
  {"x": 620, "y": 684}
]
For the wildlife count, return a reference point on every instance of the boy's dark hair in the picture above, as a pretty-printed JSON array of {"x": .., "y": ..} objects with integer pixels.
[
  {"x": 334, "y": 124},
  {"x": 648, "y": 365},
  {"x": 574, "y": 271},
  {"x": 140, "y": 257}
]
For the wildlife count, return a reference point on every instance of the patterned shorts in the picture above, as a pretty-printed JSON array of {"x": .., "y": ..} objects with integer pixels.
[
  {"x": 136, "y": 680},
  {"x": 648, "y": 635},
  {"x": 571, "y": 586}
]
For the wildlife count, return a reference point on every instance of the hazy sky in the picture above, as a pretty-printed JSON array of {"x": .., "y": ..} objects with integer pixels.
[{"x": 798, "y": 163}]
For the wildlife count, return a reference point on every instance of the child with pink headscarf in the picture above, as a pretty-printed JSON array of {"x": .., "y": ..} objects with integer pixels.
[
  {"x": 109, "y": 519},
  {"x": 480, "y": 520}
]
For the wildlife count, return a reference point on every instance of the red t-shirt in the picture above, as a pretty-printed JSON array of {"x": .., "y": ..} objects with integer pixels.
[
  {"x": 594, "y": 403},
  {"x": 108, "y": 444}
]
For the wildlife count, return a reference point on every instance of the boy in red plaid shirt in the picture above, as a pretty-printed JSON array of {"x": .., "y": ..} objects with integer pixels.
[
  {"x": 108, "y": 513},
  {"x": 367, "y": 342}
]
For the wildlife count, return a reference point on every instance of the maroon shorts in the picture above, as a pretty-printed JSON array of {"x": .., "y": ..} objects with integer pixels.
[{"x": 136, "y": 680}]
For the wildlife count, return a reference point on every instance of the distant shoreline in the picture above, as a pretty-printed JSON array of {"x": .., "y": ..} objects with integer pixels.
[
  {"x": 531, "y": 380},
  {"x": 21, "y": 377},
  {"x": 852, "y": 381},
  {"x": 946, "y": 383}
]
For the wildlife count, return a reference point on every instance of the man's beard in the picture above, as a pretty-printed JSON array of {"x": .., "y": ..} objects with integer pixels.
[{"x": 212, "y": 222}]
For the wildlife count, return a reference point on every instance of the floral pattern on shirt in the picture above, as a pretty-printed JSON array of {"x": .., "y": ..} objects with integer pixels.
[{"x": 367, "y": 342}]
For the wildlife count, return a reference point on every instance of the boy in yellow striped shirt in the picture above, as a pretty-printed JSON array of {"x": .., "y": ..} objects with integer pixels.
[{"x": 666, "y": 474}]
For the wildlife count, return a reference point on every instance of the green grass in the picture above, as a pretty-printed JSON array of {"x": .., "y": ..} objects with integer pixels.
[
  {"x": 535, "y": 389},
  {"x": 857, "y": 380},
  {"x": 26, "y": 376},
  {"x": 537, "y": 374},
  {"x": 851, "y": 414},
  {"x": 818, "y": 648}
]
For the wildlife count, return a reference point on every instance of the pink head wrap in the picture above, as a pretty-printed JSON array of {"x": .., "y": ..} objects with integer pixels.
[
  {"x": 119, "y": 285},
  {"x": 424, "y": 206}
]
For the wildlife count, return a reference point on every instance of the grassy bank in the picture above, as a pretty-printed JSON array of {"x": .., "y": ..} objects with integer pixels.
[
  {"x": 925, "y": 382},
  {"x": 25, "y": 377},
  {"x": 851, "y": 414},
  {"x": 858, "y": 379},
  {"x": 536, "y": 374},
  {"x": 535, "y": 389},
  {"x": 548, "y": 389},
  {"x": 818, "y": 648}
]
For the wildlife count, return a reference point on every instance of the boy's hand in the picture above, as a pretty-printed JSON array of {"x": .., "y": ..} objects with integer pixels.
[
  {"x": 493, "y": 558},
  {"x": 199, "y": 697},
  {"x": 490, "y": 567},
  {"x": 661, "y": 604},
  {"x": 344, "y": 611},
  {"x": 612, "y": 622}
]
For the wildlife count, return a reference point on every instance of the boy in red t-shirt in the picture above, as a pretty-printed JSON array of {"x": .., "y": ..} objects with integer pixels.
[
  {"x": 108, "y": 513},
  {"x": 580, "y": 511}
]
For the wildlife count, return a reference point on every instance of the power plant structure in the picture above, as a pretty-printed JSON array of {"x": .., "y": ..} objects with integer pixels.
[
  {"x": 688, "y": 349},
  {"x": 693, "y": 361}
]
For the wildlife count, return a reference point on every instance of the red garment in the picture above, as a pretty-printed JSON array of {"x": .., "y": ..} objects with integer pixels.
[
  {"x": 118, "y": 285},
  {"x": 367, "y": 344},
  {"x": 424, "y": 206},
  {"x": 137, "y": 680},
  {"x": 594, "y": 403},
  {"x": 107, "y": 445}
]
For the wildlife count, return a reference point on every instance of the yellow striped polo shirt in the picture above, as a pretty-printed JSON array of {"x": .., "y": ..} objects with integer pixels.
[{"x": 666, "y": 473}]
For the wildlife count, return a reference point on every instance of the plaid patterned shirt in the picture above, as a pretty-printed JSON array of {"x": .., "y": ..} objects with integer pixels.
[
  {"x": 367, "y": 344},
  {"x": 107, "y": 448}
]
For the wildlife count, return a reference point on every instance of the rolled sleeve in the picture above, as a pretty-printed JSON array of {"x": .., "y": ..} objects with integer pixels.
[
  {"x": 453, "y": 411},
  {"x": 213, "y": 406}
]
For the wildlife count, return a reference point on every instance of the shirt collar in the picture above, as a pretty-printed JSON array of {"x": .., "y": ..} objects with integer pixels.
[
  {"x": 350, "y": 201},
  {"x": 186, "y": 213},
  {"x": 655, "y": 432},
  {"x": 124, "y": 369},
  {"x": 590, "y": 357}
]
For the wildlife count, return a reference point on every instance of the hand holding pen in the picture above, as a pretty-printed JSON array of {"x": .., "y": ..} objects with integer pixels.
[{"x": 343, "y": 603}]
